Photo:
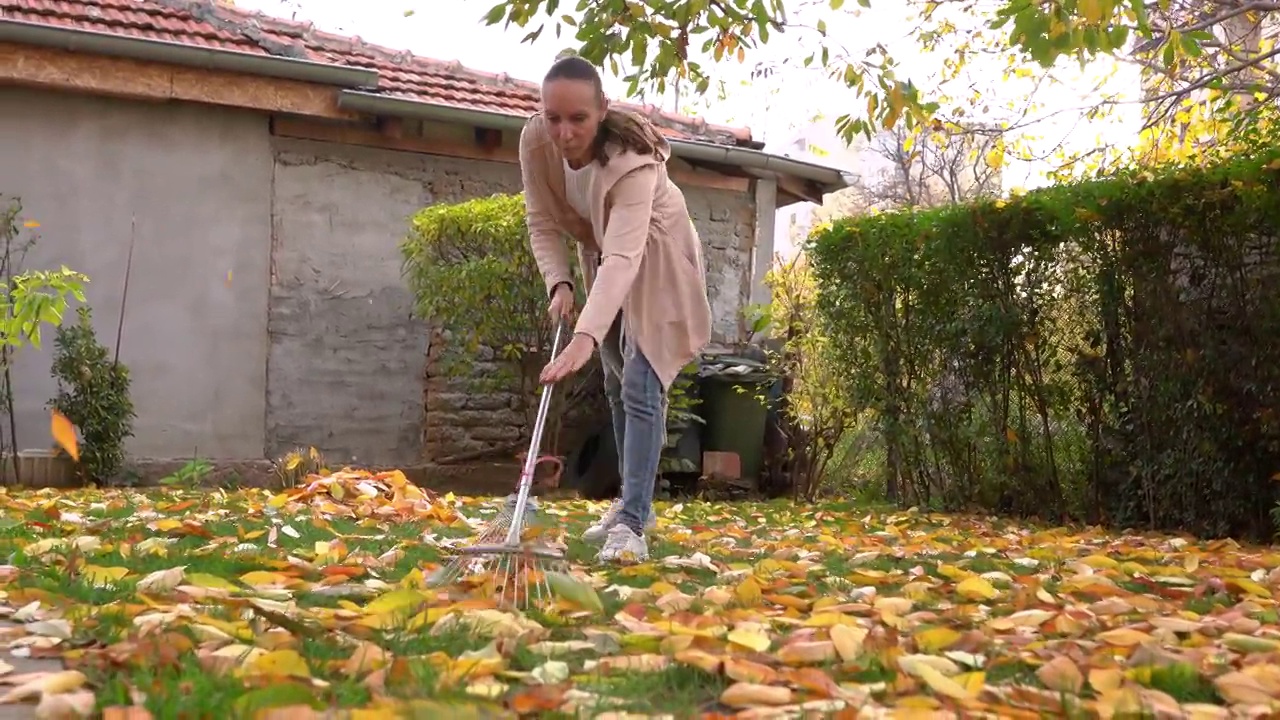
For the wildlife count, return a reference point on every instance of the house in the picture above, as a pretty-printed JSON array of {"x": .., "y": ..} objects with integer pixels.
[{"x": 264, "y": 172}]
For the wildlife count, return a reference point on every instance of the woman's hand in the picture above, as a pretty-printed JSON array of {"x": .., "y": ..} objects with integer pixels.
[
  {"x": 561, "y": 303},
  {"x": 570, "y": 360}
]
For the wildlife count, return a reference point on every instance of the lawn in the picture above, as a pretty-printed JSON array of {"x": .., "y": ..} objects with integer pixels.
[{"x": 211, "y": 604}]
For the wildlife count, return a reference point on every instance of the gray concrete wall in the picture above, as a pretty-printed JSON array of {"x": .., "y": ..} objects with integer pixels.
[
  {"x": 198, "y": 180},
  {"x": 347, "y": 360}
]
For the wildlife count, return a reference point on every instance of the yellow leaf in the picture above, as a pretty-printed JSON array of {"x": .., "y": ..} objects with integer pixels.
[
  {"x": 848, "y": 640},
  {"x": 750, "y": 639},
  {"x": 164, "y": 525},
  {"x": 261, "y": 578},
  {"x": 828, "y": 619},
  {"x": 39, "y": 684},
  {"x": 1248, "y": 586},
  {"x": 1105, "y": 680},
  {"x": 661, "y": 588},
  {"x": 206, "y": 580},
  {"x": 975, "y": 588},
  {"x": 1123, "y": 637},
  {"x": 748, "y": 592},
  {"x": 103, "y": 576},
  {"x": 995, "y": 159},
  {"x": 402, "y": 600},
  {"x": 1249, "y": 644},
  {"x": 64, "y": 433},
  {"x": 575, "y": 591},
  {"x": 935, "y": 639},
  {"x": 279, "y": 663},
  {"x": 972, "y": 682},
  {"x": 911, "y": 664},
  {"x": 943, "y": 685}
]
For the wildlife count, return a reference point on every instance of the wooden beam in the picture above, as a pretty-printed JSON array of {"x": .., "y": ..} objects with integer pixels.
[
  {"x": 347, "y": 134},
  {"x": 800, "y": 188},
  {"x": 51, "y": 69}
]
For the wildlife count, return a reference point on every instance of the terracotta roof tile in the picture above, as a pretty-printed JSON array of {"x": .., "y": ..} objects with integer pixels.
[{"x": 207, "y": 23}]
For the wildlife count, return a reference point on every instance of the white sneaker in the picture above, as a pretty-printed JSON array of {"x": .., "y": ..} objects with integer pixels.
[
  {"x": 599, "y": 530},
  {"x": 623, "y": 545}
]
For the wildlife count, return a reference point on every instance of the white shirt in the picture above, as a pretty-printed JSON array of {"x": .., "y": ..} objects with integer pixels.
[{"x": 577, "y": 187}]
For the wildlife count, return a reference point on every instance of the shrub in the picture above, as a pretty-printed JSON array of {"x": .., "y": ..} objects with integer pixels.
[
  {"x": 472, "y": 272},
  {"x": 814, "y": 411},
  {"x": 93, "y": 393},
  {"x": 1102, "y": 350}
]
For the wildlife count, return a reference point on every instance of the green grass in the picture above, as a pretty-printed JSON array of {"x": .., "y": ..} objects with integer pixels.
[{"x": 161, "y": 643}]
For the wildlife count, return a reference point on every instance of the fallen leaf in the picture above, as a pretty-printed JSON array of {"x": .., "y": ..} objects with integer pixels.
[
  {"x": 1061, "y": 674},
  {"x": 745, "y": 695},
  {"x": 64, "y": 434}
]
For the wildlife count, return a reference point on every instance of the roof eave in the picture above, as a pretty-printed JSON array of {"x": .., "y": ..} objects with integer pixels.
[{"x": 822, "y": 178}]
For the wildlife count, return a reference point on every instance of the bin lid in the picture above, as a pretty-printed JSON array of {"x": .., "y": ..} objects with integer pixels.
[{"x": 733, "y": 367}]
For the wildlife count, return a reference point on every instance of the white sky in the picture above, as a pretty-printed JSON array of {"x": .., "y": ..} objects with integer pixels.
[{"x": 454, "y": 30}]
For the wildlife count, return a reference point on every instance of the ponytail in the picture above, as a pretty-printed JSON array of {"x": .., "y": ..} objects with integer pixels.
[{"x": 631, "y": 131}]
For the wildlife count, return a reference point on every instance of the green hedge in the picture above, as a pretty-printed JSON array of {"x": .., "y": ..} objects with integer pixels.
[{"x": 1107, "y": 351}]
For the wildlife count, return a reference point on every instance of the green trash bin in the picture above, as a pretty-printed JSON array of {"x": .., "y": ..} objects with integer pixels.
[{"x": 735, "y": 408}]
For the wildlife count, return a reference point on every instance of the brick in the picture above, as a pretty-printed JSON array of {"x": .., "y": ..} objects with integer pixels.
[{"x": 720, "y": 464}]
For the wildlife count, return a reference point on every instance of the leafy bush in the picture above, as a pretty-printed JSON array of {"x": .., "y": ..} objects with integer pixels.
[
  {"x": 1102, "y": 350},
  {"x": 472, "y": 272},
  {"x": 93, "y": 393}
]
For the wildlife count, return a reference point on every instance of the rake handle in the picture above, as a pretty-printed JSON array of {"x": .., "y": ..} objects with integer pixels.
[{"x": 535, "y": 442}]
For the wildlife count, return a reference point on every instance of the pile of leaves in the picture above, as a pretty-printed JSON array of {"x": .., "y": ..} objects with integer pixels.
[
  {"x": 312, "y": 603},
  {"x": 359, "y": 493}
]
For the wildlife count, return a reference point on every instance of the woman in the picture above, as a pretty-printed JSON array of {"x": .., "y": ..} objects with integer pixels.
[{"x": 599, "y": 176}]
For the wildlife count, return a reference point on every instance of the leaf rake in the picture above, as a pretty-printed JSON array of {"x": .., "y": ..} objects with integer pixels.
[{"x": 513, "y": 568}]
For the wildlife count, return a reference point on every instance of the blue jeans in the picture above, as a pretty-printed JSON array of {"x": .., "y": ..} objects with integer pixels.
[{"x": 638, "y": 406}]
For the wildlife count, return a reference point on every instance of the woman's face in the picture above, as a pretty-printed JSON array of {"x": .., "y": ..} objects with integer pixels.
[{"x": 574, "y": 109}]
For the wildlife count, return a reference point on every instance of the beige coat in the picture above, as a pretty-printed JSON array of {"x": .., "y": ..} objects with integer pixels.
[{"x": 640, "y": 232}]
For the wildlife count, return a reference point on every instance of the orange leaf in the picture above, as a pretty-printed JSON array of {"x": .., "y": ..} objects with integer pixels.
[
  {"x": 64, "y": 433},
  {"x": 538, "y": 699}
]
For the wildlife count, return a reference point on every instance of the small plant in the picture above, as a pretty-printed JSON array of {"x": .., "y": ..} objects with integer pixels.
[
  {"x": 680, "y": 417},
  {"x": 93, "y": 393},
  {"x": 188, "y": 476},
  {"x": 296, "y": 466}
]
